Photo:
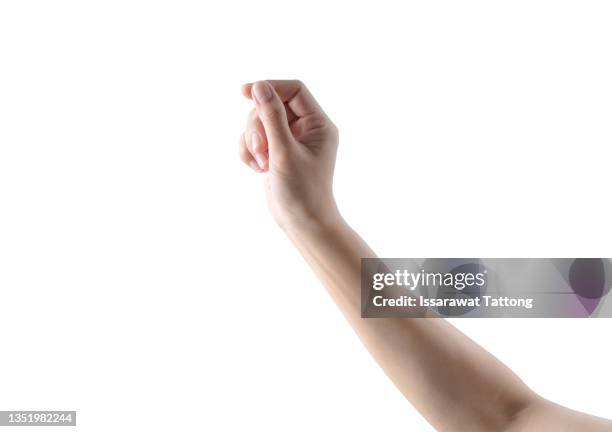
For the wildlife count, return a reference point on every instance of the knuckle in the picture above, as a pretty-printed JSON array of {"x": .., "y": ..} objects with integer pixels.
[
  {"x": 333, "y": 131},
  {"x": 334, "y": 128},
  {"x": 300, "y": 88},
  {"x": 322, "y": 123},
  {"x": 316, "y": 121}
]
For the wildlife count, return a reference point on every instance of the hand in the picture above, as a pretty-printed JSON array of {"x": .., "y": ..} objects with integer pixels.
[{"x": 293, "y": 143}]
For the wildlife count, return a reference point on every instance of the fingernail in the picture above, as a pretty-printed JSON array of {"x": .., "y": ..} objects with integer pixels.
[
  {"x": 262, "y": 160},
  {"x": 254, "y": 165},
  {"x": 255, "y": 142},
  {"x": 262, "y": 92}
]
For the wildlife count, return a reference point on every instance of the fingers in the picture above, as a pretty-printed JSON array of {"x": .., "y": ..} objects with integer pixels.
[
  {"x": 246, "y": 156},
  {"x": 271, "y": 112},
  {"x": 253, "y": 144},
  {"x": 256, "y": 142},
  {"x": 279, "y": 105},
  {"x": 292, "y": 92}
]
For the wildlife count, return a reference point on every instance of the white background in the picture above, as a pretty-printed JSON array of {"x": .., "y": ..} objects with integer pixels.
[{"x": 142, "y": 280}]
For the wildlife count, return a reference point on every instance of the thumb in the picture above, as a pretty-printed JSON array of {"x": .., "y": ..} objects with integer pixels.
[{"x": 271, "y": 112}]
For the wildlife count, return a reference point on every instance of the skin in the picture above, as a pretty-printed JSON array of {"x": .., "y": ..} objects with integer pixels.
[{"x": 452, "y": 381}]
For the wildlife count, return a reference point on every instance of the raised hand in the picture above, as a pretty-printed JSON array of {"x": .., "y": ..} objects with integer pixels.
[{"x": 293, "y": 143}]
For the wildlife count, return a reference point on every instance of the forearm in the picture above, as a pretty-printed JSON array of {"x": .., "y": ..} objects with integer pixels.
[
  {"x": 452, "y": 381},
  {"x": 333, "y": 251}
]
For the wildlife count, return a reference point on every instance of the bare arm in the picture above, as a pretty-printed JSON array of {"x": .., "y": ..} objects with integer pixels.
[{"x": 453, "y": 382}]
